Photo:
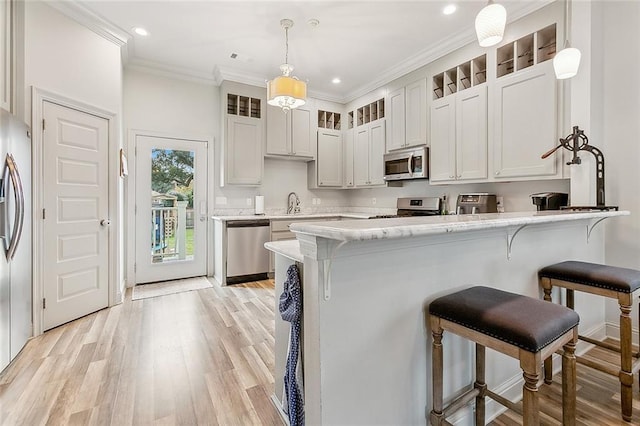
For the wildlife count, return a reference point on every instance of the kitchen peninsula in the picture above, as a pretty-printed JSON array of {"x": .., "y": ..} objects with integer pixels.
[{"x": 366, "y": 285}]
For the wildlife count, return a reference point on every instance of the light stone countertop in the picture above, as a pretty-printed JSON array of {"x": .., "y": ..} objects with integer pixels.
[
  {"x": 293, "y": 217},
  {"x": 286, "y": 248},
  {"x": 378, "y": 229}
]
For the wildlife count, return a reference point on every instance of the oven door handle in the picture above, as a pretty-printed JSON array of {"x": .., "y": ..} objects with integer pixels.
[{"x": 410, "y": 165}]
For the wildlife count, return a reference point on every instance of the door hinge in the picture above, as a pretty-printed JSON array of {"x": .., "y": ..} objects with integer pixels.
[
  {"x": 44, "y": 303},
  {"x": 44, "y": 214},
  {"x": 43, "y": 125}
]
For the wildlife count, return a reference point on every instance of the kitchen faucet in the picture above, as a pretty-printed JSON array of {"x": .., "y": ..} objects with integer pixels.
[{"x": 293, "y": 203}]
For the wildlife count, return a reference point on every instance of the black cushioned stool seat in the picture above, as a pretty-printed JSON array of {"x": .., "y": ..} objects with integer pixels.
[
  {"x": 608, "y": 281},
  {"x": 592, "y": 274},
  {"x": 525, "y": 328}
]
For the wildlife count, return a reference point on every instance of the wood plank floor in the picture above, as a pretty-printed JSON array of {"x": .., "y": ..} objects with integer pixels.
[
  {"x": 196, "y": 358},
  {"x": 200, "y": 357}
]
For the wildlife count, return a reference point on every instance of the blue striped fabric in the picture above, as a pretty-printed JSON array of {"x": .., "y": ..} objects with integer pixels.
[{"x": 291, "y": 311}]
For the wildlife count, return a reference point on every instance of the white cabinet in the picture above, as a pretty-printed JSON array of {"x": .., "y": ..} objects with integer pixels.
[
  {"x": 243, "y": 151},
  {"x": 407, "y": 117},
  {"x": 442, "y": 162},
  {"x": 289, "y": 133},
  {"x": 348, "y": 158},
  {"x": 459, "y": 136},
  {"x": 326, "y": 171},
  {"x": 242, "y": 147},
  {"x": 368, "y": 152},
  {"x": 6, "y": 54},
  {"x": 526, "y": 123},
  {"x": 396, "y": 130}
]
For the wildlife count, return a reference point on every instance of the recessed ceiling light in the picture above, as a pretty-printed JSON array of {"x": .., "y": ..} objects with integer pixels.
[
  {"x": 336, "y": 80},
  {"x": 448, "y": 10},
  {"x": 141, "y": 31}
]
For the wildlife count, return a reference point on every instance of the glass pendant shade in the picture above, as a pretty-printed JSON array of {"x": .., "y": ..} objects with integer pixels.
[
  {"x": 490, "y": 23},
  {"x": 566, "y": 63}
]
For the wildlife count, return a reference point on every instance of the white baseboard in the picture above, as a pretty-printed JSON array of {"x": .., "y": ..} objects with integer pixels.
[{"x": 613, "y": 332}]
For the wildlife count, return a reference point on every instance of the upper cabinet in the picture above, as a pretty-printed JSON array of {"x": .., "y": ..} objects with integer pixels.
[
  {"x": 407, "y": 118},
  {"x": 368, "y": 153},
  {"x": 526, "y": 106},
  {"x": 242, "y": 156},
  {"x": 368, "y": 140},
  {"x": 327, "y": 170},
  {"x": 459, "y": 124},
  {"x": 6, "y": 55},
  {"x": 289, "y": 133}
]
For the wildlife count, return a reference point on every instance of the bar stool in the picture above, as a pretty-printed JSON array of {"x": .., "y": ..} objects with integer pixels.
[
  {"x": 608, "y": 281},
  {"x": 522, "y": 327}
]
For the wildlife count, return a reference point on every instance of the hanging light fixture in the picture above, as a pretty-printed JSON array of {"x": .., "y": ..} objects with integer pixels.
[
  {"x": 567, "y": 61},
  {"x": 490, "y": 23},
  {"x": 285, "y": 91}
]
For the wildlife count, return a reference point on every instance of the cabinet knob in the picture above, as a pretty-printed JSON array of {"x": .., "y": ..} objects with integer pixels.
[
  {"x": 497, "y": 173},
  {"x": 451, "y": 176}
]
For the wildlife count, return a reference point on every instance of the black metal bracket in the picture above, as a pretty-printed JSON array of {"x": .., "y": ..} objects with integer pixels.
[{"x": 578, "y": 141}]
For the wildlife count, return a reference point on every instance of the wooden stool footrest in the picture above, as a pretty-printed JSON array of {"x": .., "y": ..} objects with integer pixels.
[
  {"x": 461, "y": 401},
  {"x": 610, "y": 346},
  {"x": 612, "y": 369},
  {"x": 517, "y": 407}
]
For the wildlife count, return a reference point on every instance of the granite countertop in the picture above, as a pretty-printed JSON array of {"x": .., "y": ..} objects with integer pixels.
[
  {"x": 378, "y": 229},
  {"x": 295, "y": 216},
  {"x": 286, "y": 248}
]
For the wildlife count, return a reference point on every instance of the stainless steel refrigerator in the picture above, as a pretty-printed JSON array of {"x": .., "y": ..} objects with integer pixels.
[{"x": 15, "y": 235}]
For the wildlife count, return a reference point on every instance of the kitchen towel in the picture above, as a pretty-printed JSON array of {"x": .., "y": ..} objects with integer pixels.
[
  {"x": 291, "y": 311},
  {"x": 259, "y": 203}
]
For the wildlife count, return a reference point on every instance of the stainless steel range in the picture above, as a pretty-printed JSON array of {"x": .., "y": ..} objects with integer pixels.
[{"x": 415, "y": 206}]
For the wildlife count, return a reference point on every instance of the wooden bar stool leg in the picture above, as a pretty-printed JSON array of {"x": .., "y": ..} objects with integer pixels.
[
  {"x": 436, "y": 416},
  {"x": 530, "y": 365},
  {"x": 626, "y": 361},
  {"x": 480, "y": 384},
  {"x": 548, "y": 363},
  {"x": 569, "y": 381}
]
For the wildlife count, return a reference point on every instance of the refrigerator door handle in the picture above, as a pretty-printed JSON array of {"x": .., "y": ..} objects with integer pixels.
[{"x": 18, "y": 193}]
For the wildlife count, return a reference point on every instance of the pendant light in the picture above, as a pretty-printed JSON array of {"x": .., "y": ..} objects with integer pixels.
[
  {"x": 567, "y": 61},
  {"x": 285, "y": 91},
  {"x": 490, "y": 23}
]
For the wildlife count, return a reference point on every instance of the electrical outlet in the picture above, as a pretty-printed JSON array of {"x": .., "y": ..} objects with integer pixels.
[
  {"x": 314, "y": 201},
  {"x": 221, "y": 201},
  {"x": 319, "y": 201},
  {"x": 374, "y": 201},
  {"x": 248, "y": 201}
]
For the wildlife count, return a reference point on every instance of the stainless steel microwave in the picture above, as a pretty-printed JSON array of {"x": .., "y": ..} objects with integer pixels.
[{"x": 407, "y": 164}]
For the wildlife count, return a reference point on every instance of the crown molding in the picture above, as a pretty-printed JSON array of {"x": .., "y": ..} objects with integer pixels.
[
  {"x": 92, "y": 21},
  {"x": 170, "y": 71},
  {"x": 440, "y": 49},
  {"x": 121, "y": 38}
]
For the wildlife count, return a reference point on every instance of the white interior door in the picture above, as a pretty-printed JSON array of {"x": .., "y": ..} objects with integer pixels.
[
  {"x": 76, "y": 222},
  {"x": 171, "y": 208}
]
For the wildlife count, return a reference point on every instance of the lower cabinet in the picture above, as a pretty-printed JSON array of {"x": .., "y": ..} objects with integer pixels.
[{"x": 526, "y": 124}]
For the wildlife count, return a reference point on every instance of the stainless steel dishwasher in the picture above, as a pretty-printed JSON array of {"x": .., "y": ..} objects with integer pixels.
[{"x": 247, "y": 259}]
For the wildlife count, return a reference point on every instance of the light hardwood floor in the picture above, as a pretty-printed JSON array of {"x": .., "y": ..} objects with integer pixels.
[
  {"x": 200, "y": 357},
  {"x": 196, "y": 358}
]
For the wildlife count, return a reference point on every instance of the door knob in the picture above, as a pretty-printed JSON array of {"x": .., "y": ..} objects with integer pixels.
[{"x": 105, "y": 222}]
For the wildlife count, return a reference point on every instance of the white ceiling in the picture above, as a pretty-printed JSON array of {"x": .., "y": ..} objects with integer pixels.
[{"x": 364, "y": 43}]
